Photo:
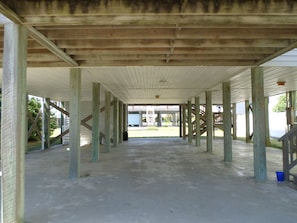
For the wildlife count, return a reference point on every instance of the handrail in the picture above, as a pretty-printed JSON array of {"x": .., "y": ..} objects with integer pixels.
[{"x": 289, "y": 142}]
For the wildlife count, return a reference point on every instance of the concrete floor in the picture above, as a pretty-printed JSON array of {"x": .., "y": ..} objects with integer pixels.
[{"x": 157, "y": 180}]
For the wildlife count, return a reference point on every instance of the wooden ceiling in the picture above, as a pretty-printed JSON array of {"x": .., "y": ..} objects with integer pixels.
[
  {"x": 93, "y": 33},
  {"x": 133, "y": 47}
]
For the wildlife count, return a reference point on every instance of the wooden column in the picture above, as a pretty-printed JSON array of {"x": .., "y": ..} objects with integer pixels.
[
  {"x": 190, "y": 126},
  {"x": 115, "y": 121},
  {"x": 234, "y": 118},
  {"x": 95, "y": 122},
  {"x": 197, "y": 117},
  {"x": 227, "y": 122},
  {"x": 13, "y": 122},
  {"x": 74, "y": 127},
  {"x": 260, "y": 170},
  {"x": 120, "y": 122},
  {"x": 107, "y": 121},
  {"x": 247, "y": 122},
  {"x": 267, "y": 133},
  {"x": 46, "y": 124},
  {"x": 209, "y": 121},
  {"x": 184, "y": 122}
]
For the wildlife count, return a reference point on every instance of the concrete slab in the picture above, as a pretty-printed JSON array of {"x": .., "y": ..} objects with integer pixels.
[{"x": 157, "y": 180}]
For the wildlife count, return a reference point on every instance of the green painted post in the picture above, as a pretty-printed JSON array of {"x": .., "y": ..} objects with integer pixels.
[
  {"x": 209, "y": 121},
  {"x": 115, "y": 121},
  {"x": 74, "y": 133},
  {"x": 13, "y": 123},
  {"x": 46, "y": 123},
  {"x": 190, "y": 126},
  {"x": 267, "y": 133},
  {"x": 184, "y": 122},
  {"x": 247, "y": 121},
  {"x": 120, "y": 122},
  {"x": 227, "y": 122},
  {"x": 107, "y": 121},
  {"x": 96, "y": 122},
  {"x": 197, "y": 117},
  {"x": 260, "y": 170}
]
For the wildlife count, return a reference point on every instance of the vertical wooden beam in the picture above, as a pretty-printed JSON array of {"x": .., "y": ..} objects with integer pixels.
[
  {"x": 125, "y": 122},
  {"x": 13, "y": 122},
  {"x": 267, "y": 133},
  {"x": 96, "y": 122},
  {"x": 180, "y": 121},
  {"x": 74, "y": 127},
  {"x": 247, "y": 122},
  {"x": 120, "y": 122},
  {"x": 227, "y": 122},
  {"x": 260, "y": 170},
  {"x": 197, "y": 117},
  {"x": 46, "y": 123},
  {"x": 291, "y": 109},
  {"x": 190, "y": 126},
  {"x": 107, "y": 121},
  {"x": 234, "y": 118},
  {"x": 209, "y": 121},
  {"x": 184, "y": 122},
  {"x": 115, "y": 121}
]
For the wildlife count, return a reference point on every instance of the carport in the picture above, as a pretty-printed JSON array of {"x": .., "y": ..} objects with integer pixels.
[{"x": 104, "y": 55}]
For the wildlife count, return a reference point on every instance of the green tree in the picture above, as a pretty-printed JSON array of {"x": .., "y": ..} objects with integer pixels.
[
  {"x": 281, "y": 104},
  {"x": 34, "y": 105}
]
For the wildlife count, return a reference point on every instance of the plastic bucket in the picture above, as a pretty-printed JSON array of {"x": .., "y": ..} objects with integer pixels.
[{"x": 280, "y": 176}]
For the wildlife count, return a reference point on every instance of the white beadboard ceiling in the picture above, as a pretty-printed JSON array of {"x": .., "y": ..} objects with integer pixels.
[{"x": 174, "y": 85}]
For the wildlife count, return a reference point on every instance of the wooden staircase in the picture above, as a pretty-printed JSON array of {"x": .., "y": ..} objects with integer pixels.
[{"x": 289, "y": 141}]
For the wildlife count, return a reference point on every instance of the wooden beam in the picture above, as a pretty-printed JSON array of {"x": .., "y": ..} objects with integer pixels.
[
  {"x": 278, "y": 53},
  {"x": 40, "y": 38},
  {"x": 157, "y": 20},
  {"x": 260, "y": 43},
  {"x": 31, "y": 8}
]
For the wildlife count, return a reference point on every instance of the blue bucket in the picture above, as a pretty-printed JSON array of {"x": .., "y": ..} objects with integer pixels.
[{"x": 280, "y": 176}]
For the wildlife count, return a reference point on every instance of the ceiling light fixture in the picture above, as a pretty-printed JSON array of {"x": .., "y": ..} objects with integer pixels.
[{"x": 281, "y": 83}]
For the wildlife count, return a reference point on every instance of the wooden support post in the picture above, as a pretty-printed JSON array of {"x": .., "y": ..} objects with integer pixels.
[
  {"x": 46, "y": 124},
  {"x": 184, "y": 122},
  {"x": 291, "y": 109},
  {"x": 180, "y": 121},
  {"x": 13, "y": 123},
  {"x": 120, "y": 122},
  {"x": 107, "y": 121},
  {"x": 227, "y": 122},
  {"x": 234, "y": 122},
  {"x": 209, "y": 121},
  {"x": 96, "y": 122},
  {"x": 74, "y": 133},
  {"x": 197, "y": 117},
  {"x": 115, "y": 121},
  {"x": 247, "y": 122},
  {"x": 267, "y": 133},
  {"x": 125, "y": 122},
  {"x": 190, "y": 126},
  {"x": 260, "y": 170}
]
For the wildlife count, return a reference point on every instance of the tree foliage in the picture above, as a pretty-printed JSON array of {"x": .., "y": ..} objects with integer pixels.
[
  {"x": 34, "y": 105},
  {"x": 281, "y": 104}
]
